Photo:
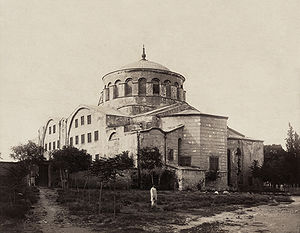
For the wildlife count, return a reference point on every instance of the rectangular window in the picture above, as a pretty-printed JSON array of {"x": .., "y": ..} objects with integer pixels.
[
  {"x": 54, "y": 128},
  {"x": 49, "y": 129},
  {"x": 58, "y": 145},
  {"x": 71, "y": 141},
  {"x": 49, "y": 145},
  {"x": 89, "y": 119},
  {"x": 53, "y": 145},
  {"x": 89, "y": 137},
  {"x": 76, "y": 140},
  {"x": 76, "y": 123},
  {"x": 214, "y": 163},
  {"x": 97, "y": 157},
  {"x": 82, "y": 138},
  {"x": 171, "y": 155},
  {"x": 96, "y": 135},
  {"x": 46, "y": 147},
  {"x": 82, "y": 120}
]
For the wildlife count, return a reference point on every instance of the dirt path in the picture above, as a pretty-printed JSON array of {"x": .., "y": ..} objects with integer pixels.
[
  {"x": 266, "y": 218},
  {"x": 50, "y": 217}
]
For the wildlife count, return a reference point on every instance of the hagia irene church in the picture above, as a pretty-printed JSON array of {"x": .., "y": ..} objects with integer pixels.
[{"x": 143, "y": 104}]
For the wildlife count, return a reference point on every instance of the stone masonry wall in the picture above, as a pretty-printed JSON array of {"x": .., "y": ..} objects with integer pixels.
[
  {"x": 153, "y": 138},
  {"x": 190, "y": 135},
  {"x": 190, "y": 179},
  {"x": 250, "y": 151},
  {"x": 213, "y": 142}
]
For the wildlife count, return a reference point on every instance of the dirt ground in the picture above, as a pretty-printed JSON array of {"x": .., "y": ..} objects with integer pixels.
[
  {"x": 48, "y": 216},
  {"x": 282, "y": 218}
]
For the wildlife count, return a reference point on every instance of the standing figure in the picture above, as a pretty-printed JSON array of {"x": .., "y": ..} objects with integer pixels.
[{"x": 153, "y": 194}]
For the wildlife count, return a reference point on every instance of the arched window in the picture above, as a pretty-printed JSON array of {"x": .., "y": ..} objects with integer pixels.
[
  {"x": 128, "y": 87},
  {"x": 116, "y": 89},
  {"x": 113, "y": 136},
  {"x": 177, "y": 90},
  {"x": 179, "y": 147},
  {"x": 142, "y": 86},
  {"x": 155, "y": 82},
  {"x": 168, "y": 88},
  {"x": 108, "y": 92}
]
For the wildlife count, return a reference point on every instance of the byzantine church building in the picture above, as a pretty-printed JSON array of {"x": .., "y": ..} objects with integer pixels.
[{"x": 143, "y": 105}]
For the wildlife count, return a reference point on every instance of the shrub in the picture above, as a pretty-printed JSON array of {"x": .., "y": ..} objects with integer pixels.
[
  {"x": 212, "y": 175},
  {"x": 167, "y": 180}
]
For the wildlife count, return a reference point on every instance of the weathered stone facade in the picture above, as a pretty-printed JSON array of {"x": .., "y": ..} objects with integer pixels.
[
  {"x": 143, "y": 105},
  {"x": 241, "y": 153}
]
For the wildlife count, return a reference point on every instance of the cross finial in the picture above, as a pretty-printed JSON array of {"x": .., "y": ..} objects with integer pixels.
[{"x": 144, "y": 53}]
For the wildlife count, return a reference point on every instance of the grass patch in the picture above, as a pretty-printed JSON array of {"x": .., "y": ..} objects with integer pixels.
[{"x": 134, "y": 213}]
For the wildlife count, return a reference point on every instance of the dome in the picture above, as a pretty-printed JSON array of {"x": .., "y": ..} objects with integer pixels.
[{"x": 145, "y": 64}]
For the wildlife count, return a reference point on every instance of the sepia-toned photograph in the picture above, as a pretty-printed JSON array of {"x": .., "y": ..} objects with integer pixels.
[{"x": 149, "y": 116}]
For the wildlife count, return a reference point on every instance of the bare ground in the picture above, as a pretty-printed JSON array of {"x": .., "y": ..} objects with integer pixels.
[
  {"x": 282, "y": 218},
  {"x": 48, "y": 216}
]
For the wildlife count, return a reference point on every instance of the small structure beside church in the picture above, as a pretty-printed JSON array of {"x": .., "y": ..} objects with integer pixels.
[{"x": 143, "y": 104}]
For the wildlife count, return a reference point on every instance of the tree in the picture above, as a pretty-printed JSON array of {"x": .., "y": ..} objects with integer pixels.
[
  {"x": 30, "y": 153},
  {"x": 150, "y": 162},
  {"x": 69, "y": 160},
  {"x": 280, "y": 166},
  {"x": 293, "y": 155},
  {"x": 30, "y": 156},
  {"x": 107, "y": 169}
]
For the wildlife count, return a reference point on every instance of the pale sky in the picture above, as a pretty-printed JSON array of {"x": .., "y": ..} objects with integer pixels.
[{"x": 240, "y": 59}]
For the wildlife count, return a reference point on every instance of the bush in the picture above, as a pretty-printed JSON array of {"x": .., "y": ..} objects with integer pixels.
[
  {"x": 211, "y": 175},
  {"x": 14, "y": 211},
  {"x": 167, "y": 180}
]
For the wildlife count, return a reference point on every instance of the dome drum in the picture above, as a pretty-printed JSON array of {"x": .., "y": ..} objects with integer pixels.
[
  {"x": 139, "y": 89},
  {"x": 143, "y": 83},
  {"x": 122, "y": 76}
]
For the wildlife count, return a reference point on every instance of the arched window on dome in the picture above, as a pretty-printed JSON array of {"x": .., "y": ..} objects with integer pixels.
[
  {"x": 168, "y": 88},
  {"x": 177, "y": 90},
  {"x": 108, "y": 91},
  {"x": 116, "y": 88},
  {"x": 155, "y": 83},
  {"x": 128, "y": 87},
  {"x": 142, "y": 86}
]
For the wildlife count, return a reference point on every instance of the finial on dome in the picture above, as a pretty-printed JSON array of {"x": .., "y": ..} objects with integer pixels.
[{"x": 144, "y": 53}]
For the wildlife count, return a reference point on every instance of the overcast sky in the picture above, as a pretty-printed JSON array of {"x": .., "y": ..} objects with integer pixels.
[{"x": 240, "y": 58}]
